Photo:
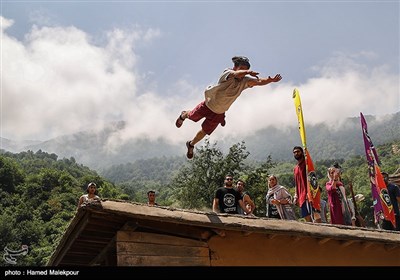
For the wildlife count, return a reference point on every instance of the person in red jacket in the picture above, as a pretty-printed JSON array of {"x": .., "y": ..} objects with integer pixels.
[{"x": 300, "y": 180}]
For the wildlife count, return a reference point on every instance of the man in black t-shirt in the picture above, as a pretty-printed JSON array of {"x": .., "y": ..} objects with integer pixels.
[{"x": 227, "y": 199}]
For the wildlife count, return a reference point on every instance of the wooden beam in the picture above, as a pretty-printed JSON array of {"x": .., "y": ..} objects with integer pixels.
[
  {"x": 347, "y": 243},
  {"x": 72, "y": 237},
  {"x": 324, "y": 240},
  {"x": 271, "y": 236},
  {"x": 150, "y": 249},
  {"x": 104, "y": 251},
  {"x": 155, "y": 238},
  {"x": 390, "y": 247},
  {"x": 296, "y": 238},
  {"x": 130, "y": 225},
  {"x": 194, "y": 232},
  {"x": 246, "y": 233},
  {"x": 129, "y": 260},
  {"x": 367, "y": 244},
  {"x": 219, "y": 232}
]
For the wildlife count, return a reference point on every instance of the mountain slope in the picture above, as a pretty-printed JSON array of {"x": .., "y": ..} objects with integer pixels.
[{"x": 324, "y": 142}]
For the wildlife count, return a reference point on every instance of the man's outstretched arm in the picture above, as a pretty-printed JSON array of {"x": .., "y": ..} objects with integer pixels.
[{"x": 264, "y": 81}]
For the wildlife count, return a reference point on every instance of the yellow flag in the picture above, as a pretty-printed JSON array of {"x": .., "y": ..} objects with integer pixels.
[
  {"x": 313, "y": 192},
  {"x": 299, "y": 112}
]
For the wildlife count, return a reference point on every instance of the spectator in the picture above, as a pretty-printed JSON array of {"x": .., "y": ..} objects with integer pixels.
[
  {"x": 248, "y": 202},
  {"x": 279, "y": 201},
  {"x": 301, "y": 195},
  {"x": 90, "y": 196},
  {"x": 151, "y": 198},
  {"x": 338, "y": 205}
]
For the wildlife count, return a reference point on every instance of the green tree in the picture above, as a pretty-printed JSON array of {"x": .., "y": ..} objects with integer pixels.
[
  {"x": 38, "y": 198},
  {"x": 196, "y": 182},
  {"x": 11, "y": 174}
]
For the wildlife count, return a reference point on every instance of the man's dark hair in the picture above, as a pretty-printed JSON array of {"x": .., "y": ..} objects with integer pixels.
[
  {"x": 298, "y": 148},
  {"x": 240, "y": 60},
  {"x": 149, "y": 192},
  {"x": 240, "y": 180},
  {"x": 337, "y": 165}
]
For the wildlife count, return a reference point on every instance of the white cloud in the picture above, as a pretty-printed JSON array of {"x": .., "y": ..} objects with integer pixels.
[
  {"x": 58, "y": 82},
  {"x": 5, "y": 23},
  {"x": 42, "y": 17},
  {"x": 343, "y": 89}
]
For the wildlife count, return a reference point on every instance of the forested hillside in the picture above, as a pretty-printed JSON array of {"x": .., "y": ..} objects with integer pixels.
[{"x": 38, "y": 197}]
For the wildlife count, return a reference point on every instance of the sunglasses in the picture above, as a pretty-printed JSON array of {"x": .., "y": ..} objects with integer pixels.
[{"x": 229, "y": 179}]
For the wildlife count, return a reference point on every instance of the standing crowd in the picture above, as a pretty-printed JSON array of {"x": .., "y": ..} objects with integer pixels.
[
  {"x": 339, "y": 209},
  {"x": 232, "y": 198}
]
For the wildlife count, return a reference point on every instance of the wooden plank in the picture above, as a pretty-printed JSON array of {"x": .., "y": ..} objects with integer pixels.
[
  {"x": 129, "y": 226},
  {"x": 97, "y": 228},
  {"x": 367, "y": 244},
  {"x": 83, "y": 253},
  {"x": 129, "y": 260},
  {"x": 323, "y": 240},
  {"x": 71, "y": 239},
  {"x": 177, "y": 229},
  {"x": 87, "y": 250},
  {"x": 390, "y": 247},
  {"x": 88, "y": 239},
  {"x": 81, "y": 260},
  {"x": 145, "y": 249},
  {"x": 92, "y": 244},
  {"x": 271, "y": 236},
  {"x": 154, "y": 238},
  {"x": 220, "y": 232},
  {"x": 347, "y": 243},
  {"x": 104, "y": 251},
  {"x": 95, "y": 234}
]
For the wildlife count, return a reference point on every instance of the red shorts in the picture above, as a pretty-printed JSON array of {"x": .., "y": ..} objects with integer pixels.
[{"x": 212, "y": 119}]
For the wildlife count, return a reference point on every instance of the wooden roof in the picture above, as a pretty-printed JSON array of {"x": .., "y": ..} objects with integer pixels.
[{"x": 93, "y": 229}]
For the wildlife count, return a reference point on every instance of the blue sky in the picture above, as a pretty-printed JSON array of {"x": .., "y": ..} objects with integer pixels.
[{"x": 72, "y": 65}]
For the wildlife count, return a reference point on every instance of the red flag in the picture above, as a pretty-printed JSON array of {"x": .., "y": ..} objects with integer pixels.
[{"x": 314, "y": 195}]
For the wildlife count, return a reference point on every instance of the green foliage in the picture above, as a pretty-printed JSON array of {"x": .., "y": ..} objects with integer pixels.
[
  {"x": 195, "y": 184},
  {"x": 39, "y": 195},
  {"x": 10, "y": 173},
  {"x": 143, "y": 175}
]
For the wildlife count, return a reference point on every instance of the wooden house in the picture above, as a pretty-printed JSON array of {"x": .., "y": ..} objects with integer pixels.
[{"x": 120, "y": 233}]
